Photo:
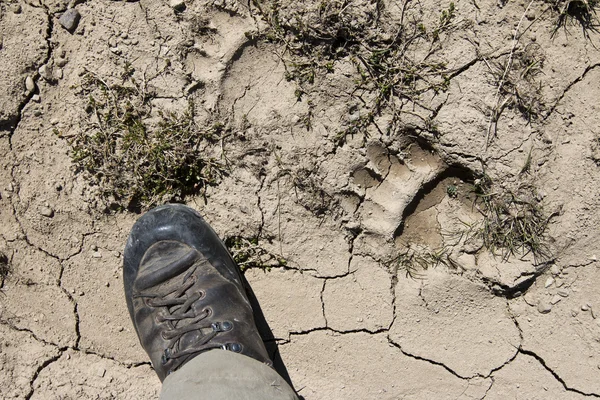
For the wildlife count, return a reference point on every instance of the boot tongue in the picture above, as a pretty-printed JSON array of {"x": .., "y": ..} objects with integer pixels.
[{"x": 163, "y": 261}]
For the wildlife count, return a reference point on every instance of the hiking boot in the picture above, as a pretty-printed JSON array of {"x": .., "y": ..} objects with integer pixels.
[{"x": 184, "y": 292}]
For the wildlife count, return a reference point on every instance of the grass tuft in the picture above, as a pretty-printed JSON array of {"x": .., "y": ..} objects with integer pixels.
[
  {"x": 576, "y": 12},
  {"x": 514, "y": 222},
  {"x": 137, "y": 157},
  {"x": 248, "y": 253}
]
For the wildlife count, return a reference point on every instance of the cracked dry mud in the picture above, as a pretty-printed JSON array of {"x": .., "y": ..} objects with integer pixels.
[{"x": 346, "y": 322}]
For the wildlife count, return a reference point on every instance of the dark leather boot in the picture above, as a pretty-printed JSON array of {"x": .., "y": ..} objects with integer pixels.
[{"x": 184, "y": 292}]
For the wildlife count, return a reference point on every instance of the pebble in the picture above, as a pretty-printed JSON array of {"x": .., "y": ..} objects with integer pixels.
[
  {"x": 36, "y": 98},
  {"x": 555, "y": 299},
  {"x": 559, "y": 282},
  {"x": 70, "y": 19},
  {"x": 29, "y": 84},
  {"x": 61, "y": 53},
  {"x": 555, "y": 269},
  {"x": 47, "y": 212},
  {"x": 101, "y": 372},
  {"x": 15, "y": 8},
  {"x": 563, "y": 293},
  {"x": 549, "y": 282},
  {"x": 124, "y": 35},
  {"x": 46, "y": 72},
  {"x": 134, "y": 41},
  {"x": 178, "y": 5},
  {"x": 112, "y": 42},
  {"x": 10, "y": 187},
  {"x": 107, "y": 284},
  {"x": 94, "y": 247},
  {"x": 574, "y": 312},
  {"x": 60, "y": 62},
  {"x": 96, "y": 254},
  {"x": 585, "y": 307},
  {"x": 81, "y": 293},
  {"x": 115, "y": 50},
  {"x": 544, "y": 307},
  {"x": 58, "y": 73}
]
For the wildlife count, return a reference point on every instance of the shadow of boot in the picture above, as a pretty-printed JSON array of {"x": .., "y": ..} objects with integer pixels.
[{"x": 267, "y": 336}]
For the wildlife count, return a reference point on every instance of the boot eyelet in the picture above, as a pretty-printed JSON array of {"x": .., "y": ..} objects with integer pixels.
[
  {"x": 235, "y": 347},
  {"x": 208, "y": 311}
]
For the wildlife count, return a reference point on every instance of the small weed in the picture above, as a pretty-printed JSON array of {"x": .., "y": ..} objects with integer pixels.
[
  {"x": 576, "y": 12},
  {"x": 395, "y": 60},
  {"x": 518, "y": 85},
  {"x": 514, "y": 222},
  {"x": 248, "y": 253},
  {"x": 452, "y": 191},
  {"x": 136, "y": 163},
  {"x": 415, "y": 259}
]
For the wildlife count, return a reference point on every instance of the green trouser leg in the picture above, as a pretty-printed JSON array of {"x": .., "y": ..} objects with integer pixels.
[{"x": 224, "y": 375}]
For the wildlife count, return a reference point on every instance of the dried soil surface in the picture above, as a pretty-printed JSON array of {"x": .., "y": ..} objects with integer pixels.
[{"x": 347, "y": 320}]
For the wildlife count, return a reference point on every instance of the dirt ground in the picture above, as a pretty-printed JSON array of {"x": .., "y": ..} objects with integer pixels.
[{"x": 348, "y": 321}]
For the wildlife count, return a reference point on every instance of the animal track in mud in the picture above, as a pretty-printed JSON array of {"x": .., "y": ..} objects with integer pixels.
[{"x": 419, "y": 206}]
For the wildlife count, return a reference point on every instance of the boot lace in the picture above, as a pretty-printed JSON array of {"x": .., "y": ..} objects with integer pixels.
[{"x": 182, "y": 318}]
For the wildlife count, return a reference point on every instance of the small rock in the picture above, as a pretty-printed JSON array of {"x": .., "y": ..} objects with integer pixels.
[
  {"x": 61, "y": 53},
  {"x": 81, "y": 293},
  {"x": 563, "y": 293},
  {"x": 70, "y": 19},
  {"x": 558, "y": 282},
  {"x": 58, "y": 74},
  {"x": 544, "y": 307},
  {"x": 134, "y": 41},
  {"x": 46, "y": 72},
  {"x": 555, "y": 299},
  {"x": 594, "y": 314},
  {"x": 10, "y": 187},
  {"x": 96, "y": 254},
  {"x": 47, "y": 212},
  {"x": 29, "y": 84},
  {"x": 107, "y": 284},
  {"x": 94, "y": 247},
  {"x": 60, "y": 62},
  {"x": 115, "y": 50},
  {"x": 120, "y": 329},
  {"x": 574, "y": 312},
  {"x": 101, "y": 372},
  {"x": 112, "y": 42},
  {"x": 555, "y": 270},
  {"x": 593, "y": 258},
  {"x": 530, "y": 15},
  {"x": 58, "y": 187},
  {"x": 549, "y": 282},
  {"x": 117, "y": 254},
  {"x": 585, "y": 307},
  {"x": 36, "y": 98},
  {"x": 178, "y": 5},
  {"x": 124, "y": 35},
  {"x": 15, "y": 8}
]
